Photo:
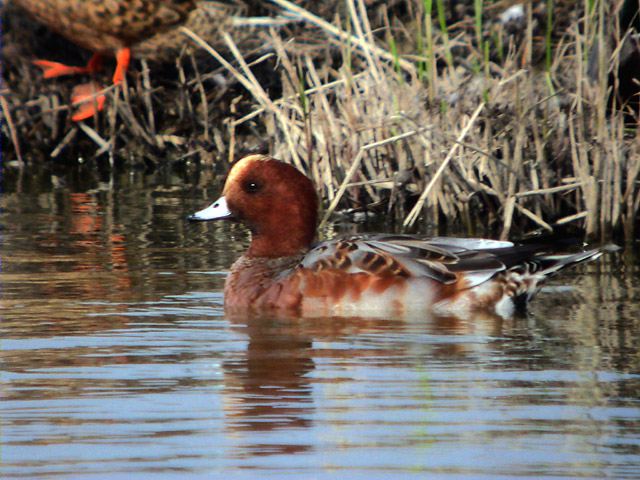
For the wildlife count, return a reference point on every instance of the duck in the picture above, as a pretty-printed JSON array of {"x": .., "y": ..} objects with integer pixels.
[
  {"x": 105, "y": 27},
  {"x": 286, "y": 270}
]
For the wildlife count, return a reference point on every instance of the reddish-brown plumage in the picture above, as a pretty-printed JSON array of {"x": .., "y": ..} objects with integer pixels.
[
  {"x": 451, "y": 291},
  {"x": 281, "y": 213}
]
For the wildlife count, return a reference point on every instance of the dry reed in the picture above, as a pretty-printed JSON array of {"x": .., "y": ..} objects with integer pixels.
[{"x": 494, "y": 138}]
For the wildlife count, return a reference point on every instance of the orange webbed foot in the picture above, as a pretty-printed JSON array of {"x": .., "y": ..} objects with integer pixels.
[
  {"x": 56, "y": 69},
  {"x": 89, "y": 99}
]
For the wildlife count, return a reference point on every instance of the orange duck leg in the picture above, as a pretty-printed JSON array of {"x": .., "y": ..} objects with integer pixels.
[
  {"x": 123, "y": 57},
  {"x": 87, "y": 96}
]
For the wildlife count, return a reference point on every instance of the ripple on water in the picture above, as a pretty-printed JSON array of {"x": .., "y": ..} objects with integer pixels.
[{"x": 119, "y": 361}]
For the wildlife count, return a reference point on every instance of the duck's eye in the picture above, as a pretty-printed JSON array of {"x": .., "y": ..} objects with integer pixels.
[{"x": 252, "y": 187}]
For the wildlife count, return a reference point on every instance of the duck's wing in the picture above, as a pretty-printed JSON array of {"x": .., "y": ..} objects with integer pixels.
[
  {"x": 406, "y": 256},
  {"x": 470, "y": 261}
]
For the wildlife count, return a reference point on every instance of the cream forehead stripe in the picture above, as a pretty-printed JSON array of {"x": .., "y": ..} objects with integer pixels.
[{"x": 241, "y": 165}]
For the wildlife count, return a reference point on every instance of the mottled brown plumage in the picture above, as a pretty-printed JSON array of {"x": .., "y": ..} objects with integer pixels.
[{"x": 105, "y": 26}]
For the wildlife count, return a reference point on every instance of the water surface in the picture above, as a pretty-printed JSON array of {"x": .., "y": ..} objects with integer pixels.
[{"x": 118, "y": 360}]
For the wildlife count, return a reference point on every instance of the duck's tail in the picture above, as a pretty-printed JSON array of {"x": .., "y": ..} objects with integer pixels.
[
  {"x": 533, "y": 273},
  {"x": 549, "y": 265}
]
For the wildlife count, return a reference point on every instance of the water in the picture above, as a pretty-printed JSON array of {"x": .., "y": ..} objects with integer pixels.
[{"x": 119, "y": 362}]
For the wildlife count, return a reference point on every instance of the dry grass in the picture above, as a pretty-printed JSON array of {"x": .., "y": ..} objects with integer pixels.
[
  {"x": 481, "y": 136},
  {"x": 479, "y": 125}
]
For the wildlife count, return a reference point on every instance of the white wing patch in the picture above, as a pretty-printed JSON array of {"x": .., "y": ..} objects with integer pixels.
[{"x": 470, "y": 243}]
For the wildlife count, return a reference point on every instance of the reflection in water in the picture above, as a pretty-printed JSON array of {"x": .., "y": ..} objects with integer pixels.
[
  {"x": 266, "y": 389},
  {"x": 117, "y": 358}
]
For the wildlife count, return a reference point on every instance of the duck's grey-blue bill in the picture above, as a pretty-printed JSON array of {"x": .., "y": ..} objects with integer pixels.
[{"x": 216, "y": 211}]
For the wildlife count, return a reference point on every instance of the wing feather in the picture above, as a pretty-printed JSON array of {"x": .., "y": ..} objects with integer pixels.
[
  {"x": 445, "y": 260},
  {"x": 465, "y": 262}
]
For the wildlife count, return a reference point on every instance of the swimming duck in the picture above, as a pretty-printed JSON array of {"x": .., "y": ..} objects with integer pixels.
[
  {"x": 106, "y": 27},
  {"x": 284, "y": 269}
]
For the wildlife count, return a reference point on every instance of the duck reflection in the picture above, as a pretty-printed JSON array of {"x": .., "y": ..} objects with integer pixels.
[
  {"x": 89, "y": 233},
  {"x": 272, "y": 387},
  {"x": 267, "y": 388}
]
